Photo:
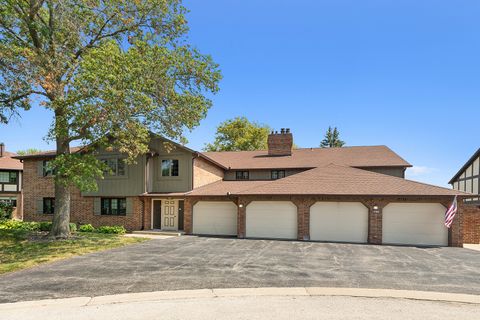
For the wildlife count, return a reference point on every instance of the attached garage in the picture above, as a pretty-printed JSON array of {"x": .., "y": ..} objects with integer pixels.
[
  {"x": 215, "y": 218},
  {"x": 414, "y": 224},
  {"x": 271, "y": 219},
  {"x": 339, "y": 221}
]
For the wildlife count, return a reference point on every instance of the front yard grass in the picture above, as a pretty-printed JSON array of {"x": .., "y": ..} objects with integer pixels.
[{"x": 21, "y": 249}]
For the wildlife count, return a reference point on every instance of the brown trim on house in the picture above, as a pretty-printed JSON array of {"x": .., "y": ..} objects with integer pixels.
[{"x": 465, "y": 166}]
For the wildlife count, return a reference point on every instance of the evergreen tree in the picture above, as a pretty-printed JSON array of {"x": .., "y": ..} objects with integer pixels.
[{"x": 332, "y": 139}]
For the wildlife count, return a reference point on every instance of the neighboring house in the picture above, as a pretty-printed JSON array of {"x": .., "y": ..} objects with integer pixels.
[
  {"x": 467, "y": 179},
  {"x": 351, "y": 194},
  {"x": 11, "y": 181}
]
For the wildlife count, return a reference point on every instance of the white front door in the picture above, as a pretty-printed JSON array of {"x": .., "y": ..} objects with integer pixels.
[{"x": 169, "y": 215}]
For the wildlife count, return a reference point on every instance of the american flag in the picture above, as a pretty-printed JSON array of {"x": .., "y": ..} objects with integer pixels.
[{"x": 450, "y": 214}]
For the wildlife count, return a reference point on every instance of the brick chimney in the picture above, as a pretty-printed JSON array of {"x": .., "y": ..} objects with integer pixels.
[
  {"x": 280, "y": 144},
  {"x": 2, "y": 149}
]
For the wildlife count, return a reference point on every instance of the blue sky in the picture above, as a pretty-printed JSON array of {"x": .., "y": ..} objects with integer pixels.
[{"x": 401, "y": 73}]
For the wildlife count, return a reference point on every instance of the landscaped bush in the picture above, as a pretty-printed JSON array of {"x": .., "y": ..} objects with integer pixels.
[
  {"x": 6, "y": 211},
  {"x": 45, "y": 226},
  {"x": 111, "y": 229},
  {"x": 30, "y": 226},
  {"x": 73, "y": 227},
  {"x": 86, "y": 228},
  {"x": 19, "y": 225}
]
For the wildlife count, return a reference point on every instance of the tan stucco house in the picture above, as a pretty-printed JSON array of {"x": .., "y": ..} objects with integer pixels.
[{"x": 350, "y": 194}]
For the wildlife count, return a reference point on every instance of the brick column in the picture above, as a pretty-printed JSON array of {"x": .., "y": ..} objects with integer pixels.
[
  {"x": 187, "y": 215},
  {"x": 455, "y": 233},
  {"x": 242, "y": 204},
  {"x": 375, "y": 219},
  {"x": 147, "y": 213},
  {"x": 303, "y": 217}
]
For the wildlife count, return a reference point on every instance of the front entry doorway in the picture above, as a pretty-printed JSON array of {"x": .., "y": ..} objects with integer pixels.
[
  {"x": 169, "y": 214},
  {"x": 157, "y": 214}
]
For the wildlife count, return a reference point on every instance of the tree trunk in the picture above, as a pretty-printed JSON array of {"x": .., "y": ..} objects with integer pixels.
[{"x": 61, "y": 215}]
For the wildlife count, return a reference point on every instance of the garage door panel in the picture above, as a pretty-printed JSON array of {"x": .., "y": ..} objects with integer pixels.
[
  {"x": 271, "y": 219},
  {"x": 339, "y": 221},
  {"x": 215, "y": 218},
  {"x": 414, "y": 224}
]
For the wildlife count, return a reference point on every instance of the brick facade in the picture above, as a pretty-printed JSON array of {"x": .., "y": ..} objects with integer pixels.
[
  {"x": 303, "y": 203},
  {"x": 36, "y": 187},
  {"x": 205, "y": 172},
  {"x": 471, "y": 224}
]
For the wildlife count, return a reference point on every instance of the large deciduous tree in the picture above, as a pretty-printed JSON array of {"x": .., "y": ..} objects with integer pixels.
[
  {"x": 239, "y": 134},
  {"x": 110, "y": 71},
  {"x": 332, "y": 139}
]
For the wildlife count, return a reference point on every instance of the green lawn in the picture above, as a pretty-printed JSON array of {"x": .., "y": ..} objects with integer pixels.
[{"x": 23, "y": 249}]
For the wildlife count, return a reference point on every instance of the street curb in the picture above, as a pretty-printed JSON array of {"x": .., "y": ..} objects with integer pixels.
[{"x": 246, "y": 292}]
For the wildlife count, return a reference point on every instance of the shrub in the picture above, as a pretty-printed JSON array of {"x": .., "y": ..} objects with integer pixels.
[
  {"x": 19, "y": 225},
  {"x": 30, "y": 226},
  {"x": 45, "y": 226},
  {"x": 86, "y": 228},
  {"x": 112, "y": 229},
  {"x": 6, "y": 211}
]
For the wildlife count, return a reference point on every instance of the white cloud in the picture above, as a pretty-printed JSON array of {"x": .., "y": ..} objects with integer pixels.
[{"x": 420, "y": 170}]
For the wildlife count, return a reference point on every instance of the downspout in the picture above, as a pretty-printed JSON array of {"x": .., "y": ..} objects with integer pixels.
[{"x": 145, "y": 188}]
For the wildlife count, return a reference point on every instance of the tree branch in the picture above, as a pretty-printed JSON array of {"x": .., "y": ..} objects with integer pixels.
[{"x": 21, "y": 96}]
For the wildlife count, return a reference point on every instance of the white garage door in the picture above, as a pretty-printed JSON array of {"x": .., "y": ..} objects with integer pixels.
[
  {"x": 414, "y": 223},
  {"x": 215, "y": 218},
  {"x": 339, "y": 221},
  {"x": 271, "y": 219}
]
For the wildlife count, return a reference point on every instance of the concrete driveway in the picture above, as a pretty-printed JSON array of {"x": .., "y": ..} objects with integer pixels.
[{"x": 194, "y": 263}]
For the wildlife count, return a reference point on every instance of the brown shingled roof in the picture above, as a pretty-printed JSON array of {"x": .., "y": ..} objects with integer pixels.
[
  {"x": 328, "y": 180},
  {"x": 7, "y": 162},
  {"x": 45, "y": 154},
  {"x": 221, "y": 188},
  {"x": 368, "y": 156}
]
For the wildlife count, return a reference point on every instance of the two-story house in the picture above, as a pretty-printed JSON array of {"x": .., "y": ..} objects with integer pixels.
[
  {"x": 467, "y": 179},
  {"x": 350, "y": 194},
  {"x": 11, "y": 181}
]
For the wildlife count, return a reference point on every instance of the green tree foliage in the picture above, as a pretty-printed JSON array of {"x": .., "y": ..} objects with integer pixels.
[
  {"x": 28, "y": 151},
  {"x": 110, "y": 71},
  {"x": 239, "y": 134},
  {"x": 332, "y": 139}
]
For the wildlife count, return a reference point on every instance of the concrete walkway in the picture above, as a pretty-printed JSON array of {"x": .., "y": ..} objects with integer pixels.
[
  {"x": 254, "y": 303},
  {"x": 472, "y": 246}
]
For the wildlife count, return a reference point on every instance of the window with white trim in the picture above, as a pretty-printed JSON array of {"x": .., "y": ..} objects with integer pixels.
[{"x": 170, "y": 168}]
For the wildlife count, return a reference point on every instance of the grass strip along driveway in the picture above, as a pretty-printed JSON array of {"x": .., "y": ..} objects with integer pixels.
[{"x": 20, "y": 249}]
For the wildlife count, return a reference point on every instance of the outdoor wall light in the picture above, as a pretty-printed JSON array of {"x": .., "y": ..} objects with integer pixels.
[
  {"x": 240, "y": 205},
  {"x": 375, "y": 207}
]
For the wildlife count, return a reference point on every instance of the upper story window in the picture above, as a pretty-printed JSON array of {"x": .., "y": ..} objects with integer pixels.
[
  {"x": 48, "y": 205},
  {"x": 114, "y": 206},
  {"x": 47, "y": 168},
  {"x": 278, "y": 174},
  {"x": 242, "y": 175},
  {"x": 10, "y": 177},
  {"x": 116, "y": 165},
  {"x": 170, "y": 168}
]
